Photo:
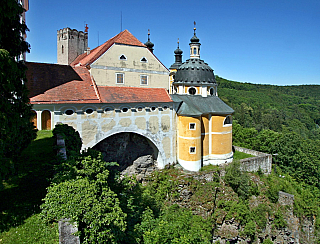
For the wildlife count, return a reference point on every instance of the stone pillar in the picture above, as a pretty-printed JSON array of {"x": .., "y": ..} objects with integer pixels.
[{"x": 66, "y": 231}]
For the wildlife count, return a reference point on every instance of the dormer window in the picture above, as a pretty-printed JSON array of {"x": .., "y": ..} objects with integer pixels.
[
  {"x": 123, "y": 57},
  {"x": 143, "y": 60}
]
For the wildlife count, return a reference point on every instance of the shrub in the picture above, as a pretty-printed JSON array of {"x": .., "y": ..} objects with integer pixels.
[
  {"x": 71, "y": 136},
  {"x": 237, "y": 180}
]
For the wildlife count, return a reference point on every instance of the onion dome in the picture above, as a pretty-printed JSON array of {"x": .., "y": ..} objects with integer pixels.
[
  {"x": 149, "y": 44},
  {"x": 194, "y": 39},
  {"x": 194, "y": 72},
  {"x": 178, "y": 58}
]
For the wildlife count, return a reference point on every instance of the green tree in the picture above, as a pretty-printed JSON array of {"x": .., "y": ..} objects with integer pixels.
[
  {"x": 16, "y": 130},
  {"x": 82, "y": 193}
]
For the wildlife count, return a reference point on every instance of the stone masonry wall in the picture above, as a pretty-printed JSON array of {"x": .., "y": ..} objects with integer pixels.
[{"x": 262, "y": 161}]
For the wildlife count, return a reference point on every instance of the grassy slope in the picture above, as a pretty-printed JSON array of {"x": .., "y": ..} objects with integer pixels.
[{"x": 23, "y": 193}]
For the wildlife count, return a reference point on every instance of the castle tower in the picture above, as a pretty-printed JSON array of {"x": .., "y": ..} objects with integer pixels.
[{"x": 70, "y": 44}]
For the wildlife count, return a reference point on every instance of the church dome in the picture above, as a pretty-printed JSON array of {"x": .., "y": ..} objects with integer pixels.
[
  {"x": 178, "y": 51},
  {"x": 194, "y": 71},
  {"x": 194, "y": 38}
]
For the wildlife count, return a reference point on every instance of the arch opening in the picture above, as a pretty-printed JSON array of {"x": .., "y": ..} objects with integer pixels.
[
  {"x": 46, "y": 120},
  {"x": 125, "y": 148}
]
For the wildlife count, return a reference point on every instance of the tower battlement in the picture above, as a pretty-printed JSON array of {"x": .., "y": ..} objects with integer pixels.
[{"x": 70, "y": 44}]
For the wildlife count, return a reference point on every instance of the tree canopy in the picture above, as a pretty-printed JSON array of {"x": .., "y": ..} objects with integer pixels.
[{"x": 16, "y": 130}]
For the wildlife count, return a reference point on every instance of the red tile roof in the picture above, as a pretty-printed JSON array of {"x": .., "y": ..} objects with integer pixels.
[
  {"x": 124, "y": 37},
  {"x": 113, "y": 94},
  {"x": 53, "y": 83}
]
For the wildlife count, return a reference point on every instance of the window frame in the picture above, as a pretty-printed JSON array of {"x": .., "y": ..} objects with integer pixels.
[
  {"x": 193, "y": 88},
  {"x": 117, "y": 78},
  {"x": 192, "y": 124},
  {"x": 195, "y": 150},
  {"x": 227, "y": 124},
  {"x": 146, "y": 80}
]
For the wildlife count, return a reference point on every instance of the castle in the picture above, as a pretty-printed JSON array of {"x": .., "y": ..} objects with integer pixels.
[{"x": 125, "y": 102}]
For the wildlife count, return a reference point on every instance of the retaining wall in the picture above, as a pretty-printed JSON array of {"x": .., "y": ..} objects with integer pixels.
[{"x": 261, "y": 161}]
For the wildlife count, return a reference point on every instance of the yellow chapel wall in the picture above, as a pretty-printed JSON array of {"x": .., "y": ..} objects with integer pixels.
[
  {"x": 205, "y": 136},
  {"x": 221, "y": 136},
  {"x": 189, "y": 138},
  {"x": 105, "y": 68}
]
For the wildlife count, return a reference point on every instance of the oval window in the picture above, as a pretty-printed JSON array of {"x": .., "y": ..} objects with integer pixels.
[
  {"x": 69, "y": 112},
  {"x": 140, "y": 109},
  {"x": 125, "y": 110},
  {"x": 165, "y": 107},
  {"x": 211, "y": 91},
  {"x": 192, "y": 91},
  {"x": 89, "y": 111},
  {"x": 153, "y": 108}
]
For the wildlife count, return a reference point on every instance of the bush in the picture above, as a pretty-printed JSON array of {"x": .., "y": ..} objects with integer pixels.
[
  {"x": 83, "y": 194},
  {"x": 237, "y": 180},
  {"x": 72, "y": 138}
]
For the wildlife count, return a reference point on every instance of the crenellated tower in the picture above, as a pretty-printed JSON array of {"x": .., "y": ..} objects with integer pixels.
[{"x": 70, "y": 44}]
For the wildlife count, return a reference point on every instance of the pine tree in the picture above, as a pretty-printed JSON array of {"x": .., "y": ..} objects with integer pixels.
[{"x": 16, "y": 130}]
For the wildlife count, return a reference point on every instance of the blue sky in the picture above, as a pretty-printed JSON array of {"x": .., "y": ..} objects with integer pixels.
[{"x": 257, "y": 41}]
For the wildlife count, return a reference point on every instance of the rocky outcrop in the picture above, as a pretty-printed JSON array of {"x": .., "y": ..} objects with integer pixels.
[{"x": 141, "y": 168}]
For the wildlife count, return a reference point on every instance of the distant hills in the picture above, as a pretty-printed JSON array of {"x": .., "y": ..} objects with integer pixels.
[{"x": 296, "y": 108}]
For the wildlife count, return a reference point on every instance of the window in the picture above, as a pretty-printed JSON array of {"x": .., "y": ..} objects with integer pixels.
[
  {"x": 122, "y": 57},
  {"x": 89, "y": 111},
  {"x": 120, "y": 78},
  {"x": 192, "y": 150},
  {"x": 192, "y": 126},
  {"x": 165, "y": 107},
  {"x": 143, "y": 80},
  {"x": 228, "y": 120},
  {"x": 124, "y": 110},
  {"x": 194, "y": 50},
  {"x": 211, "y": 91},
  {"x": 139, "y": 109},
  {"x": 69, "y": 112},
  {"x": 153, "y": 108},
  {"x": 192, "y": 91},
  {"x": 143, "y": 60}
]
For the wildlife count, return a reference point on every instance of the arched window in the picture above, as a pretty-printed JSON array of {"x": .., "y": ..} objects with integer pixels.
[
  {"x": 62, "y": 49},
  {"x": 192, "y": 91},
  {"x": 227, "y": 120},
  {"x": 194, "y": 50},
  {"x": 212, "y": 91},
  {"x": 46, "y": 120}
]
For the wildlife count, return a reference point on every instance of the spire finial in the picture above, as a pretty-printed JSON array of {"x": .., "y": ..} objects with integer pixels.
[
  {"x": 194, "y": 28},
  {"x": 86, "y": 28},
  {"x": 178, "y": 42},
  {"x": 148, "y": 34}
]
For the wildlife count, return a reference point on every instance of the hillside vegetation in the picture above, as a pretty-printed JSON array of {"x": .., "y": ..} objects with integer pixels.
[
  {"x": 216, "y": 205},
  {"x": 280, "y": 120}
]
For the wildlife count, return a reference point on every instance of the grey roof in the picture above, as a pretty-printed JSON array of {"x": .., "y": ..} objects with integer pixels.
[
  {"x": 193, "y": 72},
  {"x": 196, "y": 105}
]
